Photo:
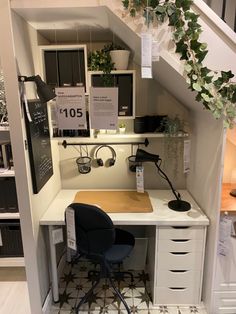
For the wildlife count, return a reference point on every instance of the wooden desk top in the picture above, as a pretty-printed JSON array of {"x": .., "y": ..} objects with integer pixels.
[
  {"x": 228, "y": 202},
  {"x": 116, "y": 201},
  {"x": 160, "y": 216}
]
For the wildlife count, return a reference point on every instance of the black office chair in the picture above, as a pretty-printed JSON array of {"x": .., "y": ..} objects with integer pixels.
[{"x": 100, "y": 242}]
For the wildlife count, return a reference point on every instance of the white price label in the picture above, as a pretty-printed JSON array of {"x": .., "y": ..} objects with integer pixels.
[
  {"x": 71, "y": 111},
  {"x": 70, "y": 228},
  {"x": 140, "y": 179}
]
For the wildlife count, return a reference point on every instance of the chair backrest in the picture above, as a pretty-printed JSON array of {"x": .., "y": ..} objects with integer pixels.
[{"x": 95, "y": 232}]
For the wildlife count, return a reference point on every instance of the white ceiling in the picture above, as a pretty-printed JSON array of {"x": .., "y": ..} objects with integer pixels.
[
  {"x": 100, "y": 24},
  {"x": 69, "y": 24}
]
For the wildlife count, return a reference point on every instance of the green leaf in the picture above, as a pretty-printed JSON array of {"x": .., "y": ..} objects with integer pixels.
[
  {"x": 132, "y": 12},
  {"x": 234, "y": 98},
  {"x": 173, "y": 19},
  {"x": 195, "y": 45},
  {"x": 125, "y": 3},
  {"x": 219, "y": 104},
  {"x": 197, "y": 87},
  {"x": 170, "y": 9},
  {"x": 201, "y": 55},
  {"x": 205, "y": 97},
  {"x": 203, "y": 46},
  {"x": 160, "y": 9},
  {"x": 194, "y": 77},
  {"x": 188, "y": 68},
  {"x": 188, "y": 81},
  {"x": 178, "y": 3},
  {"x": 198, "y": 97},
  {"x": 226, "y": 76}
]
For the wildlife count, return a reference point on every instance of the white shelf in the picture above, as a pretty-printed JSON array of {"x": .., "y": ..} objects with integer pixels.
[
  {"x": 9, "y": 216},
  {"x": 116, "y": 136},
  {"x": 6, "y": 173},
  {"x": 12, "y": 262},
  {"x": 135, "y": 135}
]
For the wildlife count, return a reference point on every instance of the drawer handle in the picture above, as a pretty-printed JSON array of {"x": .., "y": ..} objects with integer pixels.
[
  {"x": 179, "y": 253},
  {"x": 177, "y": 288},
  {"x": 180, "y": 240},
  {"x": 178, "y": 271},
  {"x": 180, "y": 227},
  {"x": 228, "y": 300}
]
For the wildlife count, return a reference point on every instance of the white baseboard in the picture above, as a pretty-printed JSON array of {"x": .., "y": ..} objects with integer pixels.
[{"x": 49, "y": 300}]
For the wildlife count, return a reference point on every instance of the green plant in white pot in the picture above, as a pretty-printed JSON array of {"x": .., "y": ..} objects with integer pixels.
[{"x": 119, "y": 56}]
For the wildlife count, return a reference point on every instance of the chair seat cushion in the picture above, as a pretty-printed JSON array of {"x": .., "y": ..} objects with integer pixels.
[{"x": 117, "y": 253}]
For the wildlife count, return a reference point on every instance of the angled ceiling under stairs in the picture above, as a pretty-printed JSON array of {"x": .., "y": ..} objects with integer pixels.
[{"x": 86, "y": 21}]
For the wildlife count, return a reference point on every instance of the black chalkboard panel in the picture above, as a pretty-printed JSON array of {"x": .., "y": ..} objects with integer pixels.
[{"x": 39, "y": 145}]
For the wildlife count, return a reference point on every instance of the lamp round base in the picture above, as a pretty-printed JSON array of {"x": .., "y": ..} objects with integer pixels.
[
  {"x": 179, "y": 205},
  {"x": 233, "y": 192}
]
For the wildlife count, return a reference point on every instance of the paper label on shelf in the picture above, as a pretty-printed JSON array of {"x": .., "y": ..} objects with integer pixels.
[
  {"x": 1, "y": 238},
  {"x": 57, "y": 236},
  {"x": 146, "y": 55},
  {"x": 225, "y": 229},
  {"x": 140, "y": 179},
  {"x": 70, "y": 229},
  {"x": 186, "y": 155},
  {"x": 155, "y": 50},
  {"x": 71, "y": 109},
  {"x": 104, "y": 108}
]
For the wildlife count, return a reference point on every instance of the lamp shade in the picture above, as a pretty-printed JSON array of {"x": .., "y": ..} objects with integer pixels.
[
  {"x": 142, "y": 156},
  {"x": 44, "y": 91}
]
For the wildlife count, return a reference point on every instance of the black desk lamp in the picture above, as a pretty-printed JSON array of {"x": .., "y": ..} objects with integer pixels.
[
  {"x": 178, "y": 204},
  {"x": 44, "y": 91}
]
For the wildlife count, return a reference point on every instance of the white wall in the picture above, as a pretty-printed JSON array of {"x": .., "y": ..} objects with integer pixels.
[
  {"x": 230, "y": 162},
  {"x": 25, "y": 39},
  {"x": 204, "y": 183}
]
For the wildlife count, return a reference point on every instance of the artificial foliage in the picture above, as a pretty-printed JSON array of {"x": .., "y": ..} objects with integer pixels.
[
  {"x": 100, "y": 60},
  {"x": 215, "y": 89}
]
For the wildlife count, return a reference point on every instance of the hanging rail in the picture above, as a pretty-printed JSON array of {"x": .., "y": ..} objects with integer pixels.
[{"x": 145, "y": 142}]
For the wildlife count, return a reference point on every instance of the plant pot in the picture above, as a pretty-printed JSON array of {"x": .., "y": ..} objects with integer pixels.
[
  {"x": 122, "y": 130},
  {"x": 120, "y": 58}
]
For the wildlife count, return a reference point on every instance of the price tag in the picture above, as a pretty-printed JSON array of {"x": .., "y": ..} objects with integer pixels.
[
  {"x": 224, "y": 236},
  {"x": 71, "y": 111},
  {"x": 146, "y": 54},
  {"x": 70, "y": 229},
  {"x": 140, "y": 179}
]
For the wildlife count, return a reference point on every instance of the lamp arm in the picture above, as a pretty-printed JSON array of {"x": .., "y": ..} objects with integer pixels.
[{"x": 177, "y": 196}]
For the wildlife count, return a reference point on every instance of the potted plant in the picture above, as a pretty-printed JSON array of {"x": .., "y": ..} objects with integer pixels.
[
  {"x": 100, "y": 60},
  {"x": 119, "y": 56},
  {"x": 122, "y": 128}
]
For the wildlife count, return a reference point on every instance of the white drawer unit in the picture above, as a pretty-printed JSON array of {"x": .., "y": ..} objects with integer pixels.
[
  {"x": 225, "y": 302},
  {"x": 180, "y": 257}
]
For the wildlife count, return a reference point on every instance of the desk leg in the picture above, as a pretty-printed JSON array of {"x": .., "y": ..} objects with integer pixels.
[{"x": 53, "y": 260}]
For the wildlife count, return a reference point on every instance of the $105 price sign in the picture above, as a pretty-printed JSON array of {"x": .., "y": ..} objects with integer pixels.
[{"x": 71, "y": 111}]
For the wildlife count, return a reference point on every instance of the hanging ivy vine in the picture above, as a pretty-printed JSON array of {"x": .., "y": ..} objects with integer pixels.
[{"x": 215, "y": 89}]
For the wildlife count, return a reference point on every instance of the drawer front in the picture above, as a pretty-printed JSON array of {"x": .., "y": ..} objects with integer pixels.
[
  {"x": 176, "y": 296},
  {"x": 225, "y": 302},
  {"x": 178, "y": 278},
  {"x": 179, "y": 260},
  {"x": 182, "y": 232},
  {"x": 180, "y": 245}
]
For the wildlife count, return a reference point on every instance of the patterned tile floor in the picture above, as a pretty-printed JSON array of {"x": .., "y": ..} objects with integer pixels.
[{"x": 75, "y": 282}]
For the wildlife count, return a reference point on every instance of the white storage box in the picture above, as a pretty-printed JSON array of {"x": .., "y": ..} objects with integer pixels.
[{"x": 137, "y": 258}]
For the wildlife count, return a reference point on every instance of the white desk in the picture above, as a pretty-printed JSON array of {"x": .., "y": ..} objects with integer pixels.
[{"x": 161, "y": 216}]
